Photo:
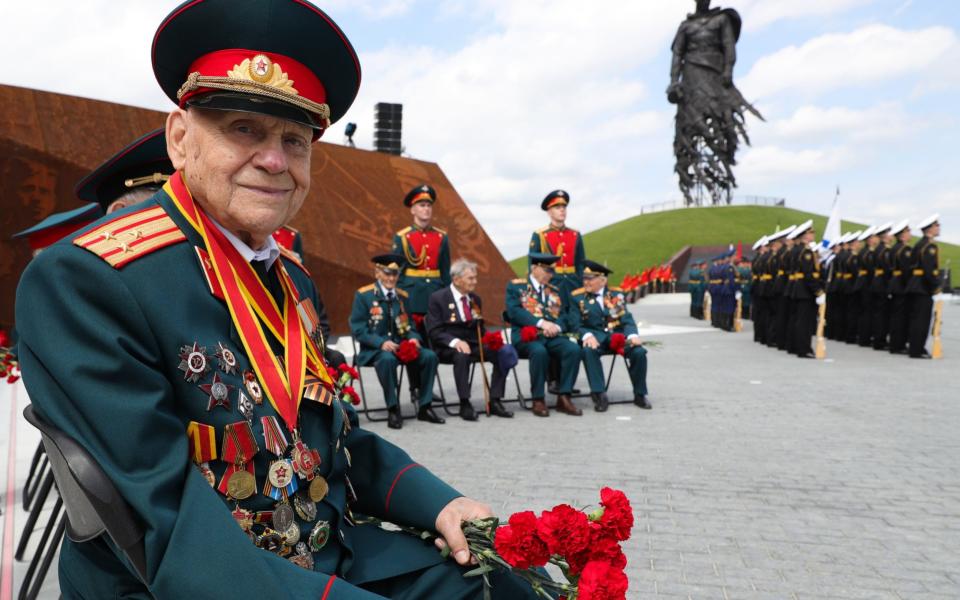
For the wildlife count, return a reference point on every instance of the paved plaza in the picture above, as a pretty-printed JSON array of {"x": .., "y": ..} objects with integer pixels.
[{"x": 756, "y": 475}]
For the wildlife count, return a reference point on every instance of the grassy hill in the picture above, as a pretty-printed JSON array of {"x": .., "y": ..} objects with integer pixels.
[{"x": 636, "y": 243}]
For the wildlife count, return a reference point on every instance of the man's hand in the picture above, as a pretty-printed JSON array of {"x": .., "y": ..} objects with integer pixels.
[
  {"x": 449, "y": 522},
  {"x": 389, "y": 346},
  {"x": 636, "y": 341},
  {"x": 462, "y": 347},
  {"x": 821, "y": 299},
  {"x": 591, "y": 342},
  {"x": 550, "y": 329},
  {"x": 415, "y": 341}
]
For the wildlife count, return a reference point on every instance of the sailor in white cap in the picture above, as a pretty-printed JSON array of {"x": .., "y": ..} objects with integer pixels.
[
  {"x": 922, "y": 286},
  {"x": 864, "y": 283},
  {"x": 851, "y": 299},
  {"x": 899, "y": 266},
  {"x": 880, "y": 320},
  {"x": 759, "y": 301},
  {"x": 780, "y": 295},
  {"x": 806, "y": 291}
]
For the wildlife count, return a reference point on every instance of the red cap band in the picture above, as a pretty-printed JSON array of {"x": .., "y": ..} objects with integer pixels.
[
  {"x": 557, "y": 200},
  {"x": 52, "y": 235}
]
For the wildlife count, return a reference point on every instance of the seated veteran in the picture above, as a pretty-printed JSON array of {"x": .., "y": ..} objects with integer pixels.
[
  {"x": 455, "y": 326},
  {"x": 539, "y": 317},
  {"x": 601, "y": 312},
  {"x": 380, "y": 321},
  {"x": 167, "y": 340}
]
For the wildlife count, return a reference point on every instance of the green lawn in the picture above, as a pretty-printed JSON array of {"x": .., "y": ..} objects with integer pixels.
[{"x": 639, "y": 242}]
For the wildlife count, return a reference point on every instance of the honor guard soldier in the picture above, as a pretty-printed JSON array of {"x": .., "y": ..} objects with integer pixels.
[
  {"x": 130, "y": 176},
  {"x": 758, "y": 274},
  {"x": 900, "y": 266},
  {"x": 175, "y": 342},
  {"x": 540, "y": 321},
  {"x": 602, "y": 312},
  {"x": 778, "y": 310},
  {"x": 832, "y": 280},
  {"x": 879, "y": 286},
  {"x": 791, "y": 266},
  {"x": 456, "y": 328},
  {"x": 745, "y": 281},
  {"x": 559, "y": 240},
  {"x": 426, "y": 251},
  {"x": 923, "y": 285},
  {"x": 807, "y": 291},
  {"x": 851, "y": 302},
  {"x": 380, "y": 321},
  {"x": 868, "y": 265},
  {"x": 695, "y": 287}
]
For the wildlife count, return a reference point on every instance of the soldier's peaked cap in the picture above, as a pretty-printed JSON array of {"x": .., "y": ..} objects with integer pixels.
[
  {"x": 929, "y": 221},
  {"x": 555, "y": 198},
  {"x": 285, "y": 58},
  {"x": 143, "y": 162},
  {"x": 59, "y": 225},
  {"x": 801, "y": 229},
  {"x": 421, "y": 193},
  {"x": 539, "y": 258},
  {"x": 591, "y": 269},
  {"x": 899, "y": 227},
  {"x": 388, "y": 262}
]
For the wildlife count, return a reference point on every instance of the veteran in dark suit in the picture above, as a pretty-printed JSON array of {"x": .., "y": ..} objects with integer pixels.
[
  {"x": 380, "y": 322},
  {"x": 541, "y": 329},
  {"x": 174, "y": 341},
  {"x": 602, "y": 312},
  {"x": 456, "y": 329}
]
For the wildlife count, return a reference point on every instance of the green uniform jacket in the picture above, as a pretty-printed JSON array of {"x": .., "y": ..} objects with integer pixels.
[
  {"x": 420, "y": 288},
  {"x": 370, "y": 326},
  {"x": 100, "y": 349},
  {"x": 525, "y": 308},
  {"x": 602, "y": 320},
  {"x": 567, "y": 282}
]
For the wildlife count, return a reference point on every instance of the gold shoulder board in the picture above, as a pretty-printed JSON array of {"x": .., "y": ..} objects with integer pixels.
[
  {"x": 125, "y": 239},
  {"x": 293, "y": 257},
  {"x": 367, "y": 288},
  {"x": 402, "y": 293}
]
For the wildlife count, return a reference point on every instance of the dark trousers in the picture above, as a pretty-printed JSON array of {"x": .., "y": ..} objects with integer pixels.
[
  {"x": 851, "y": 320},
  {"x": 773, "y": 317},
  {"x": 881, "y": 321},
  {"x": 836, "y": 309},
  {"x": 636, "y": 357},
  {"x": 804, "y": 321},
  {"x": 461, "y": 370},
  {"x": 759, "y": 319},
  {"x": 921, "y": 311},
  {"x": 539, "y": 352},
  {"x": 425, "y": 366},
  {"x": 898, "y": 323},
  {"x": 865, "y": 320},
  {"x": 783, "y": 321}
]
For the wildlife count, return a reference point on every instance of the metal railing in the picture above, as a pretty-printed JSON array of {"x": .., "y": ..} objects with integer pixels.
[{"x": 737, "y": 201}]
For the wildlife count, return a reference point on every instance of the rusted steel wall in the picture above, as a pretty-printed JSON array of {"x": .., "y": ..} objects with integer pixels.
[{"x": 49, "y": 141}]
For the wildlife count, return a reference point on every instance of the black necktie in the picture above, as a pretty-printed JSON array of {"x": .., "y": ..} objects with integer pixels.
[
  {"x": 271, "y": 283},
  {"x": 390, "y": 323}
]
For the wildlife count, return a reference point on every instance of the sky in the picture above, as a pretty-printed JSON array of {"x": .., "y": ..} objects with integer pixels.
[{"x": 515, "y": 98}]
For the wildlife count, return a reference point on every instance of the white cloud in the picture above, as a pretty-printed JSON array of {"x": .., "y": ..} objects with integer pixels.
[
  {"x": 758, "y": 14},
  {"x": 829, "y": 125},
  {"x": 776, "y": 164},
  {"x": 866, "y": 56}
]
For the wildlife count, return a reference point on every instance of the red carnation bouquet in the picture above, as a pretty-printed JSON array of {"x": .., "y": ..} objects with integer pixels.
[
  {"x": 493, "y": 341},
  {"x": 618, "y": 342},
  {"x": 408, "y": 351},
  {"x": 9, "y": 366},
  {"x": 528, "y": 333},
  {"x": 585, "y": 546}
]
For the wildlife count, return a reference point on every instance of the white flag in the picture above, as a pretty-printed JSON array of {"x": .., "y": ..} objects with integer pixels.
[{"x": 832, "y": 232}]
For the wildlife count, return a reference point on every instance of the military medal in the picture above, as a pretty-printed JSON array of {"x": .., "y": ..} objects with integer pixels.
[
  {"x": 253, "y": 388},
  {"x": 306, "y": 508},
  {"x": 202, "y": 447},
  {"x": 245, "y": 405},
  {"x": 244, "y": 518},
  {"x": 318, "y": 488},
  {"x": 319, "y": 536},
  {"x": 226, "y": 359},
  {"x": 218, "y": 391},
  {"x": 291, "y": 535},
  {"x": 239, "y": 448},
  {"x": 283, "y": 517},
  {"x": 281, "y": 481},
  {"x": 193, "y": 362},
  {"x": 302, "y": 558},
  {"x": 305, "y": 461},
  {"x": 270, "y": 540},
  {"x": 315, "y": 390}
]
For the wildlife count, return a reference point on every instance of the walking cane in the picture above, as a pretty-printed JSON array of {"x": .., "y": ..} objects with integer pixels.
[
  {"x": 937, "y": 351},
  {"x": 821, "y": 324},
  {"x": 738, "y": 317},
  {"x": 483, "y": 369}
]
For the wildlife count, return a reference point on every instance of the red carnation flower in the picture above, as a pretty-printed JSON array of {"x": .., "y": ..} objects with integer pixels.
[
  {"x": 13, "y": 378},
  {"x": 618, "y": 342},
  {"x": 617, "y": 519},
  {"x": 528, "y": 333},
  {"x": 602, "y": 581},
  {"x": 352, "y": 394},
  {"x": 331, "y": 372},
  {"x": 4, "y": 339},
  {"x": 565, "y": 530},
  {"x": 353, "y": 373},
  {"x": 417, "y": 320},
  {"x": 518, "y": 543},
  {"x": 493, "y": 341},
  {"x": 408, "y": 351},
  {"x": 607, "y": 550}
]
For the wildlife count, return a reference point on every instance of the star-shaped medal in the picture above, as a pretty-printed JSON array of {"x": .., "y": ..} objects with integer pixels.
[
  {"x": 194, "y": 362},
  {"x": 227, "y": 359},
  {"x": 218, "y": 391}
]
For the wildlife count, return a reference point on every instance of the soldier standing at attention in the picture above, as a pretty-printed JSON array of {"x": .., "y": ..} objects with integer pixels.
[
  {"x": 694, "y": 286},
  {"x": 851, "y": 270},
  {"x": 559, "y": 240},
  {"x": 923, "y": 285},
  {"x": 868, "y": 260},
  {"x": 806, "y": 292},
  {"x": 879, "y": 286},
  {"x": 900, "y": 266}
]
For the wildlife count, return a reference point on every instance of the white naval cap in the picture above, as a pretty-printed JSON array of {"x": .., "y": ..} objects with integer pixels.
[
  {"x": 855, "y": 236},
  {"x": 931, "y": 220},
  {"x": 866, "y": 234},
  {"x": 801, "y": 229},
  {"x": 883, "y": 228},
  {"x": 896, "y": 229},
  {"x": 761, "y": 242}
]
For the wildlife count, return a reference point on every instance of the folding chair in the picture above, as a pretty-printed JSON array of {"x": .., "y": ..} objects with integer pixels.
[
  {"x": 38, "y": 468},
  {"x": 363, "y": 393},
  {"x": 520, "y": 399},
  {"x": 92, "y": 504}
]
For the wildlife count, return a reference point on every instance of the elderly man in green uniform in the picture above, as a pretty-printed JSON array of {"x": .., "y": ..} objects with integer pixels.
[
  {"x": 380, "y": 322},
  {"x": 540, "y": 318},
  {"x": 602, "y": 312},
  {"x": 175, "y": 342}
]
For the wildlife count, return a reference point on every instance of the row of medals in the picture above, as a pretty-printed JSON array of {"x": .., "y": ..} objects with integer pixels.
[{"x": 283, "y": 538}]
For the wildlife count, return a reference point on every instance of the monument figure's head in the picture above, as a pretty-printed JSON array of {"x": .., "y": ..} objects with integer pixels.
[{"x": 703, "y": 6}]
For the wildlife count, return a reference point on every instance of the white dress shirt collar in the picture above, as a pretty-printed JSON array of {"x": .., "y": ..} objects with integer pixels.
[{"x": 268, "y": 254}]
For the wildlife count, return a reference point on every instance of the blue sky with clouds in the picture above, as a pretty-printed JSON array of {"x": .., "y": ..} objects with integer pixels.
[{"x": 514, "y": 98}]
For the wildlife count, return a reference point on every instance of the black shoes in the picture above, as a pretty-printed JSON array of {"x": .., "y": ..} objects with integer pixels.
[
  {"x": 394, "y": 419},
  {"x": 466, "y": 411},
  {"x": 641, "y": 401},
  {"x": 426, "y": 414},
  {"x": 600, "y": 402},
  {"x": 497, "y": 409}
]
